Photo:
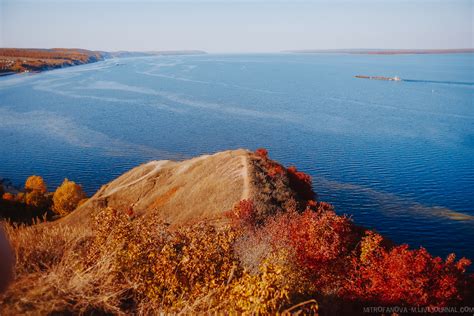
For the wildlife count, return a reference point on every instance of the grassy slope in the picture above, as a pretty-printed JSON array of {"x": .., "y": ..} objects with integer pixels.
[{"x": 198, "y": 188}]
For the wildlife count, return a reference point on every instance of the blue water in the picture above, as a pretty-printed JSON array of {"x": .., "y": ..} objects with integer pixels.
[{"x": 397, "y": 156}]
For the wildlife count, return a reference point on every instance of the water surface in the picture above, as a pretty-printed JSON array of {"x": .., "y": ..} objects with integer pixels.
[{"x": 396, "y": 156}]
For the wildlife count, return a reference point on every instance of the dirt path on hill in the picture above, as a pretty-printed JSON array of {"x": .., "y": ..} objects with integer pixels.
[{"x": 246, "y": 178}]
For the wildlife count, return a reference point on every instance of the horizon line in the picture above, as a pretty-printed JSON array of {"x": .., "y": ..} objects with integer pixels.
[{"x": 303, "y": 50}]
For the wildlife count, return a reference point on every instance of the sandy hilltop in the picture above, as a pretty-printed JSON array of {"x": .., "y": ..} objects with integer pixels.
[{"x": 167, "y": 186}]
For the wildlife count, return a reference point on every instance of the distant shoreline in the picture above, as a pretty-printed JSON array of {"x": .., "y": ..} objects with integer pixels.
[
  {"x": 21, "y": 60},
  {"x": 383, "y": 51},
  {"x": 34, "y": 60}
]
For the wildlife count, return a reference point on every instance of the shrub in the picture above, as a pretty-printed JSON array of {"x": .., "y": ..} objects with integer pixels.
[
  {"x": 400, "y": 276},
  {"x": 67, "y": 197},
  {"x": 263, "y": 293},
  {"x": 274, "y": 169},
  {"x": 320, "y": 238},
  {"x": 262, "y": 153},
  {"x": 7, "y": 196},
  {"x": 170, "y": 269},
  {"x": 243, "y": 214},
  {"x": 321, "y": 244}
]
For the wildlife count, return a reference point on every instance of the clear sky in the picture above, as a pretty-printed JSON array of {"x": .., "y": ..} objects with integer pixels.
[{"x": 238, "y": 25}]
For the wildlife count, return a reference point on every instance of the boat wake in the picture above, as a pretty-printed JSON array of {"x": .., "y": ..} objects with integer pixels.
[
  {"x": 440, "y": 82},
  {"x": 463, "y": 83}
]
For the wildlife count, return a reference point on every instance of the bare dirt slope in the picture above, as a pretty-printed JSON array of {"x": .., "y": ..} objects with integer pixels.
[{"x": 202, "y": 187}]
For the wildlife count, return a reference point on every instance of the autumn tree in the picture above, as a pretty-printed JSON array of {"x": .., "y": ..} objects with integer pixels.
[
  {"x": 35, "y": 192},
  {"x": 35, "y": 183},
  {"x": 67, "y": 197}
]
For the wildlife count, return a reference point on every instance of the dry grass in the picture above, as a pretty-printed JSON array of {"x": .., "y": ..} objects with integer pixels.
[
  {"x": 198, "y": 188},
  {"x": 51, "y": 275}
]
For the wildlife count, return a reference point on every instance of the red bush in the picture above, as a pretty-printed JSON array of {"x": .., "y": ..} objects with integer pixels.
[
  {"x": 243, "y": 214},
  {"x": 320, "y": 238},
  {"x": 400, "y": 276},
  {"x": 262, "y": 152},
  {"x": 273, "y": 168},
  {"x": 320, "y": 241}
]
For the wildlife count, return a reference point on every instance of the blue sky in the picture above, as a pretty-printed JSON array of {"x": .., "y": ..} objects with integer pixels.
[{"x": 236, "y": 26}]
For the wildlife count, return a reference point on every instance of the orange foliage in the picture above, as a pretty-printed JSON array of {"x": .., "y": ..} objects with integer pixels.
[
  {"x": 262, "y": 153},
  {"x": 67, "y": 197},
  {"x": 399, "y": 276},
  {"x": 35, "y": 183},
  {"x": 243, "y": 214},
  {"x": 7, "y": 196},
  {"x": 322, "y": 244},
  {"x": 273, "y": 168}
]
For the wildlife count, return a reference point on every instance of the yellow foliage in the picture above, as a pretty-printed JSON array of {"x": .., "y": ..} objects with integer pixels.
[
  {"x": 169, "y": 267},
  {"x": 263, "y": 293},
  {"x": 190, "y": 268},
  {"x": 67, "y": 197},
  {"x": 35, "y": 183}
]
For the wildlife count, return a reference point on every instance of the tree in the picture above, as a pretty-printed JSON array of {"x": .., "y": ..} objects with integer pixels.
[
  {"x": 36, "y": 190},
  {"x": 35, "y": 183},
  {"x": 67, "y": 197}
]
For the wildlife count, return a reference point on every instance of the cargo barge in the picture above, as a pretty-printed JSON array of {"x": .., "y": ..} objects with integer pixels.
[{"x": 379, "y": 78}]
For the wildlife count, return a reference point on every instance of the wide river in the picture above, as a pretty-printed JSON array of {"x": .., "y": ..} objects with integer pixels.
[{"x": 397, "y": 156}]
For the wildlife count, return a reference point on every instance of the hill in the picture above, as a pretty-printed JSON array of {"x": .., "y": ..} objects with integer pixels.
[
  {"x": 194, "y": 189},
  {"x": 176, "y": 190}
]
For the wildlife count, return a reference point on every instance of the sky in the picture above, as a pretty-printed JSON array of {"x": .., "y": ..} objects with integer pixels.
[{"x": 237, "y": 25}]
